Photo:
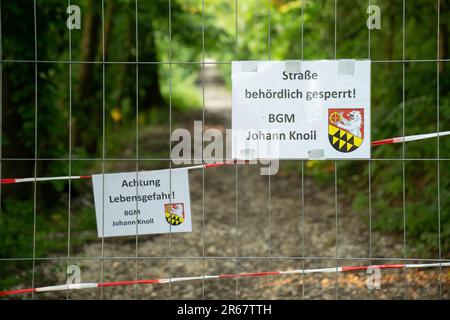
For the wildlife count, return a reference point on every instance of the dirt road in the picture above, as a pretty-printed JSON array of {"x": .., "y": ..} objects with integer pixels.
[{"x": 261, "y": 220}]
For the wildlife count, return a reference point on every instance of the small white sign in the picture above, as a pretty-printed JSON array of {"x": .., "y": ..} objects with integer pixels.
[
  {"x": 301, "y": 109},
  {"x": 144, "y": 202}
]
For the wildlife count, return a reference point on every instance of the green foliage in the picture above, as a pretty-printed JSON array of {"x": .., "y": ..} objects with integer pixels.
[
  {"x": 24, "y": 228},
  {"x": 183, "y": 93}
]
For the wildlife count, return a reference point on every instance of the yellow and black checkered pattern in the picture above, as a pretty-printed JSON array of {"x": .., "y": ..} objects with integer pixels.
[
  {"x": 342, "y": 140},
  {"x": 174, "y": 219}
]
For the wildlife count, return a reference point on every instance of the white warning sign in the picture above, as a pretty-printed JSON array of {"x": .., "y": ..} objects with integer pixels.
[
  {"x": 301, "y": 109},
  {"x": 144, "y": 202}
]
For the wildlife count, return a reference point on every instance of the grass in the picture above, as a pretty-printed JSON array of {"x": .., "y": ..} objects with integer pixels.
[{"x": 51, "y": 237}]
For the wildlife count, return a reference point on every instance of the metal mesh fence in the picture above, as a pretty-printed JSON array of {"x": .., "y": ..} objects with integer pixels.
[{"x": 254, "y": 233}]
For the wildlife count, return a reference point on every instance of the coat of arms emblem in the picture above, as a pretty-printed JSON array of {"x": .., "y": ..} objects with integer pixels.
[
  {"x": 174, "y": 213},
  {"x": 346, "y": 128}
]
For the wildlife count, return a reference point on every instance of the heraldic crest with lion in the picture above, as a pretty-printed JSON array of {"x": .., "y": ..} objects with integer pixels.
[{"x": 346, "y": 128}]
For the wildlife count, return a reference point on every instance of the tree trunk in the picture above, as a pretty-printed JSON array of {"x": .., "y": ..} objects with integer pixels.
[
  {"x": 110, "y": 10},
  {"x": 152, "y": 96},
  {"x": 443, "y": 36},
  {"x": 127, "y": 88},
  {"x": 85, "y": 99},
  {"x": 88, "y": 48}
]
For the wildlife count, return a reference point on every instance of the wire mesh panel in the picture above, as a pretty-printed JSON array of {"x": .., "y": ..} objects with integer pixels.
[{"x": 108, "y": 94}]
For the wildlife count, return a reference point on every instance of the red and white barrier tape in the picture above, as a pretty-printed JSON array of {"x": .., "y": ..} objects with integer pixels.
[
  {"x": 38, "y": 179},
  {"x": 374, "y": 143},
  {"x": 19, "y": 180},
  {"x": 410, "y": 138},
  {"x": 79, "y": 286}
]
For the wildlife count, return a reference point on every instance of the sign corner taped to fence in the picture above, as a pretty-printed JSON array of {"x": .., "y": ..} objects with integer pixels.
[
  {"x": 144, "y": 202},
  {"x": 301, "y": 109}
]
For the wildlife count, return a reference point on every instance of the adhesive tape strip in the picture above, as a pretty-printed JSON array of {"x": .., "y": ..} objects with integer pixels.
[
  {"x": 316, "y": 154},
  {"x": 248, "y": 154},
  {"x": 249, "y": 66},
  {"x": 293, "y": 66},
  {"x": 346, "y": 66}
]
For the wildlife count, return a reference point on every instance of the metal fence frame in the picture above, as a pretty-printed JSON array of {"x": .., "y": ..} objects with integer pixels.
[{"x": 237, "y": 257}]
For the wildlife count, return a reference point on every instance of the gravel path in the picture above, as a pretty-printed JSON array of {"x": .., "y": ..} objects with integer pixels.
[{"x": 253, "y": 217}]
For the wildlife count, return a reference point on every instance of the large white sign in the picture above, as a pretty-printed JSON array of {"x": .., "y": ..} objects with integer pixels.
[
  {"x": 144, "y": 202},
  {"x": 301, "y": 109}
]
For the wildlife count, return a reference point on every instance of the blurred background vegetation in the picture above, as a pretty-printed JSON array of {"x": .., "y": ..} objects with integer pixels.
[{"x": 68, "y": 101}]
